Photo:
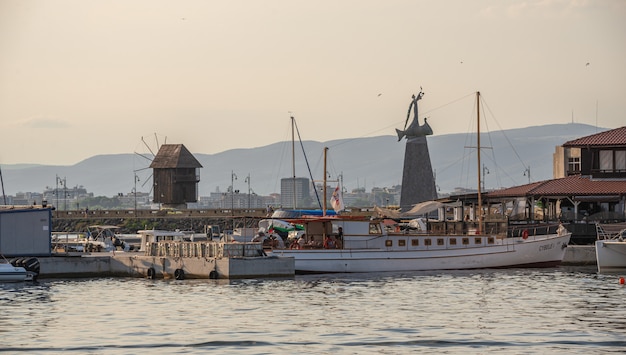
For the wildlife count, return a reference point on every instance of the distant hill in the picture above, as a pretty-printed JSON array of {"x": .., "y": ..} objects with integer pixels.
[{"x": 363, "y": 162}]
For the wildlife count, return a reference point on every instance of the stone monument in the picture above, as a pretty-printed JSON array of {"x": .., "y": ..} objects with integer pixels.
[{"x": 418, "y": 181}]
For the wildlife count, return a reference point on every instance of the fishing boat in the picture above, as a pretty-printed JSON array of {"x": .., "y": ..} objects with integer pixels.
[
  {"x": 339, "y": 243},
  {"x": 611, "y": 247}
]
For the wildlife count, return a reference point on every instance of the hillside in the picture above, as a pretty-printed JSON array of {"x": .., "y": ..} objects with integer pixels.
[{"x": 363, "y": 162}]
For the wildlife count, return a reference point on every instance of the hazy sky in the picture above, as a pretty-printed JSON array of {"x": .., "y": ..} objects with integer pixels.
[{"x": 81, "y": 78}]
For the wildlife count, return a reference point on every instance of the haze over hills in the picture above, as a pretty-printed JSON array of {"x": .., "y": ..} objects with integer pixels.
[{"x": 363, "y": 162}]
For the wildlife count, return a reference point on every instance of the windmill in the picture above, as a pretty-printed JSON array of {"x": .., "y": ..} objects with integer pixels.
[
  {"x": 148, "y": 149},
  {"x": 175, "y": 174}
]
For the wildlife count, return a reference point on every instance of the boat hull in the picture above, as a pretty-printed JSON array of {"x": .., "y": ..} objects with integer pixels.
[
  {"x": 10, "y": 273},
  {"x": 542, "y": 251},
  {"x": 611, "y": 255}
]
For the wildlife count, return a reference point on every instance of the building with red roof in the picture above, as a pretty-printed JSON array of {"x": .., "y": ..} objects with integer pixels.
[
  {"x": 600, "y": 155},
  {"x": 589, "y": 185}
]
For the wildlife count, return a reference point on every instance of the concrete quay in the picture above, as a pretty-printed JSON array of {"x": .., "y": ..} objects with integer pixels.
[
  {"x": 580, "y": 255},
  {"x": 133, "y": 265}
]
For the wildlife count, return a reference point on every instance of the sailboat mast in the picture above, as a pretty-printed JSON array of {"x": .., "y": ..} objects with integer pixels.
[
  {"x": 2, "y": 182},
  {"x": 293, "y": 160},
  {"x": 480, "y": 202},
  {"x": 324, "y": 187}
]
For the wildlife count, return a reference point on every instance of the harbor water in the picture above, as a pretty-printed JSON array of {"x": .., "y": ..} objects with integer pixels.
[{"x": 564, "y": 310}]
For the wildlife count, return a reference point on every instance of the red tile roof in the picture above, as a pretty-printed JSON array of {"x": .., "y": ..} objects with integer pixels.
[
  {"x": 568, "y": 186},
  {"x": 614, "y": 137}
]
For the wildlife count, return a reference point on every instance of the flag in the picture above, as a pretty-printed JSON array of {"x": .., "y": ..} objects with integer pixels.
[{"x": 336, "y": 200}]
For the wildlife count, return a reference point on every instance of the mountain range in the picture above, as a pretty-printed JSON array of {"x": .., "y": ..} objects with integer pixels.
[{"x": 510, "y": 158}]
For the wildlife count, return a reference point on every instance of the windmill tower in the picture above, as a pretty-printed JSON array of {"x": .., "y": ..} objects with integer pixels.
[{"x": 175, "y": 176}]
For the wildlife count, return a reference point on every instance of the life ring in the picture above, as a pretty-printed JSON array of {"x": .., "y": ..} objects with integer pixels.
[
  {"x": 525, "y": 234},
  {"x": 213, "y": 275},
  {"x": 151, "y": 273},
  {"x": 179, "y": 274}
]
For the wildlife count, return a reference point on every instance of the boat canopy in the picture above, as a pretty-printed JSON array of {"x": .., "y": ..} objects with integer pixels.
[{"x": 301, "y": 213}]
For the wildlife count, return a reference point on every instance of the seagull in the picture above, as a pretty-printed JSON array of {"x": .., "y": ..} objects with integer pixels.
[
  {"x": 380, "y": 94},
  {"x": 587, "y": 64}
]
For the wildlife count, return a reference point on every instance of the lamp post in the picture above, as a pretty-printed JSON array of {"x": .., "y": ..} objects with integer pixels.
[
  {"x": 233, "y": 177},
  {"x": 135, "y": 192},
  {"x": 61, "y": 182},
  {"x": 485, "y": 172},
  {"x": 527, "y": 173},
  {"x": 56, "y": 191},
  {"x": 248, "y": 181},
  {"x": 64, "y": 194}
]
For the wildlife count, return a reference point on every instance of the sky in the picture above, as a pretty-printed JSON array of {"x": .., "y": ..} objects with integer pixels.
[{"x": 83, "y": 78}]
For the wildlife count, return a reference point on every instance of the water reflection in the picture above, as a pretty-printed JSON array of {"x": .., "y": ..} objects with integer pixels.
[{"x": 511, "y": 311}]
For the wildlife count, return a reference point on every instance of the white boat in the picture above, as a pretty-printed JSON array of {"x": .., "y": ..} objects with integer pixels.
[
  {"x": 10, "y": 272},
  {"x": 611, "y": 248},
  {"x": 371, "y": 246},
  {"x": 149, "y": 236}
]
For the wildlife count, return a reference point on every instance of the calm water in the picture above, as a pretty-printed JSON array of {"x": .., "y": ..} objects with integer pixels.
[{"x": 521, "y": 311}]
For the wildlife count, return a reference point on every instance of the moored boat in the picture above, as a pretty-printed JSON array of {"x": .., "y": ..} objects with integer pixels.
[
  {"x": 368, "y": 246},
  {"x": 611, "y": 248},
  {"x": 19, "y": 269}
]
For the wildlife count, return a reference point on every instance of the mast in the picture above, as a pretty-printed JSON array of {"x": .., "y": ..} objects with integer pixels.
[
  {"x": 2, "y": 182},
  {"x": 480, "y": 202},
  {"x": 293, "y": 160},
  {"x": 324, "y": 186}
]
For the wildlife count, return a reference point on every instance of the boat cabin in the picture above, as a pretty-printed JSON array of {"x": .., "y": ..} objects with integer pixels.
[{"x": 155, "y": 236}]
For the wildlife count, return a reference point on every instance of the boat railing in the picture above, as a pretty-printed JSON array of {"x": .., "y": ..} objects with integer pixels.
[
  {"x": 493, "y": 227},
  {"x": 204, "y": 249},
  {"x": 532, "y": 230},
  {"x": 605, "y": 231}
]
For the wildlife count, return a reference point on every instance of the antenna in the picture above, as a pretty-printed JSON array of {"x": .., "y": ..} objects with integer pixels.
[{"x": 596, "y": 115}]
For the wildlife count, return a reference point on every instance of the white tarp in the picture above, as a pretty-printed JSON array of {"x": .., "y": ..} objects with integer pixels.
[
  {"x": 417, "y": 210},
  {"x": 423, "y": 208}
]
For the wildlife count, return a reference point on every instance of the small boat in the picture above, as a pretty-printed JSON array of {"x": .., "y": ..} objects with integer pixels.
[
  {"x": 150, "y": 236},
  {"x": 355, "y": 244},
  {"x": 20, "y": 269},
  {"x": 611, "y": 247}
]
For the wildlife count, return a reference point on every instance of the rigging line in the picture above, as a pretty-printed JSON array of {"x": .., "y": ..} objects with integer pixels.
[
  {"x": 283, "y": 156},
  {"x": 307, "y": 165},
  {"x": 395, "y": 124},
  {"x": 454, "y": 163},
  {"x": 505, "y": 136},
  {"x": 498, "y": 168},
  {"x": 2, "y": 183},
  {"x": 469, "y": 140},
  {"x": 491, "y": 145}
]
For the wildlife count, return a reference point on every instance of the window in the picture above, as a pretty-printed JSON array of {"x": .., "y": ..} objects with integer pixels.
[
  {"x": 415, "y": 242},
  {"x": 388, "y": 243},
  {"x": 440, "y": 241},
  {"x": 573, "y": 165},
  {"x": 428, "y": 242},
  {"x": 452, "y": 241},
  {"x": 478, "y": 240},
  {"x": 606, "y": 160},
  {"x": 620, "y": 160},
  {"x": 375, "y": 228},
  {"x": 401, "y": 243},
  {"x": 490, "y": 240},
  {"x": 465, "y": 241}
]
